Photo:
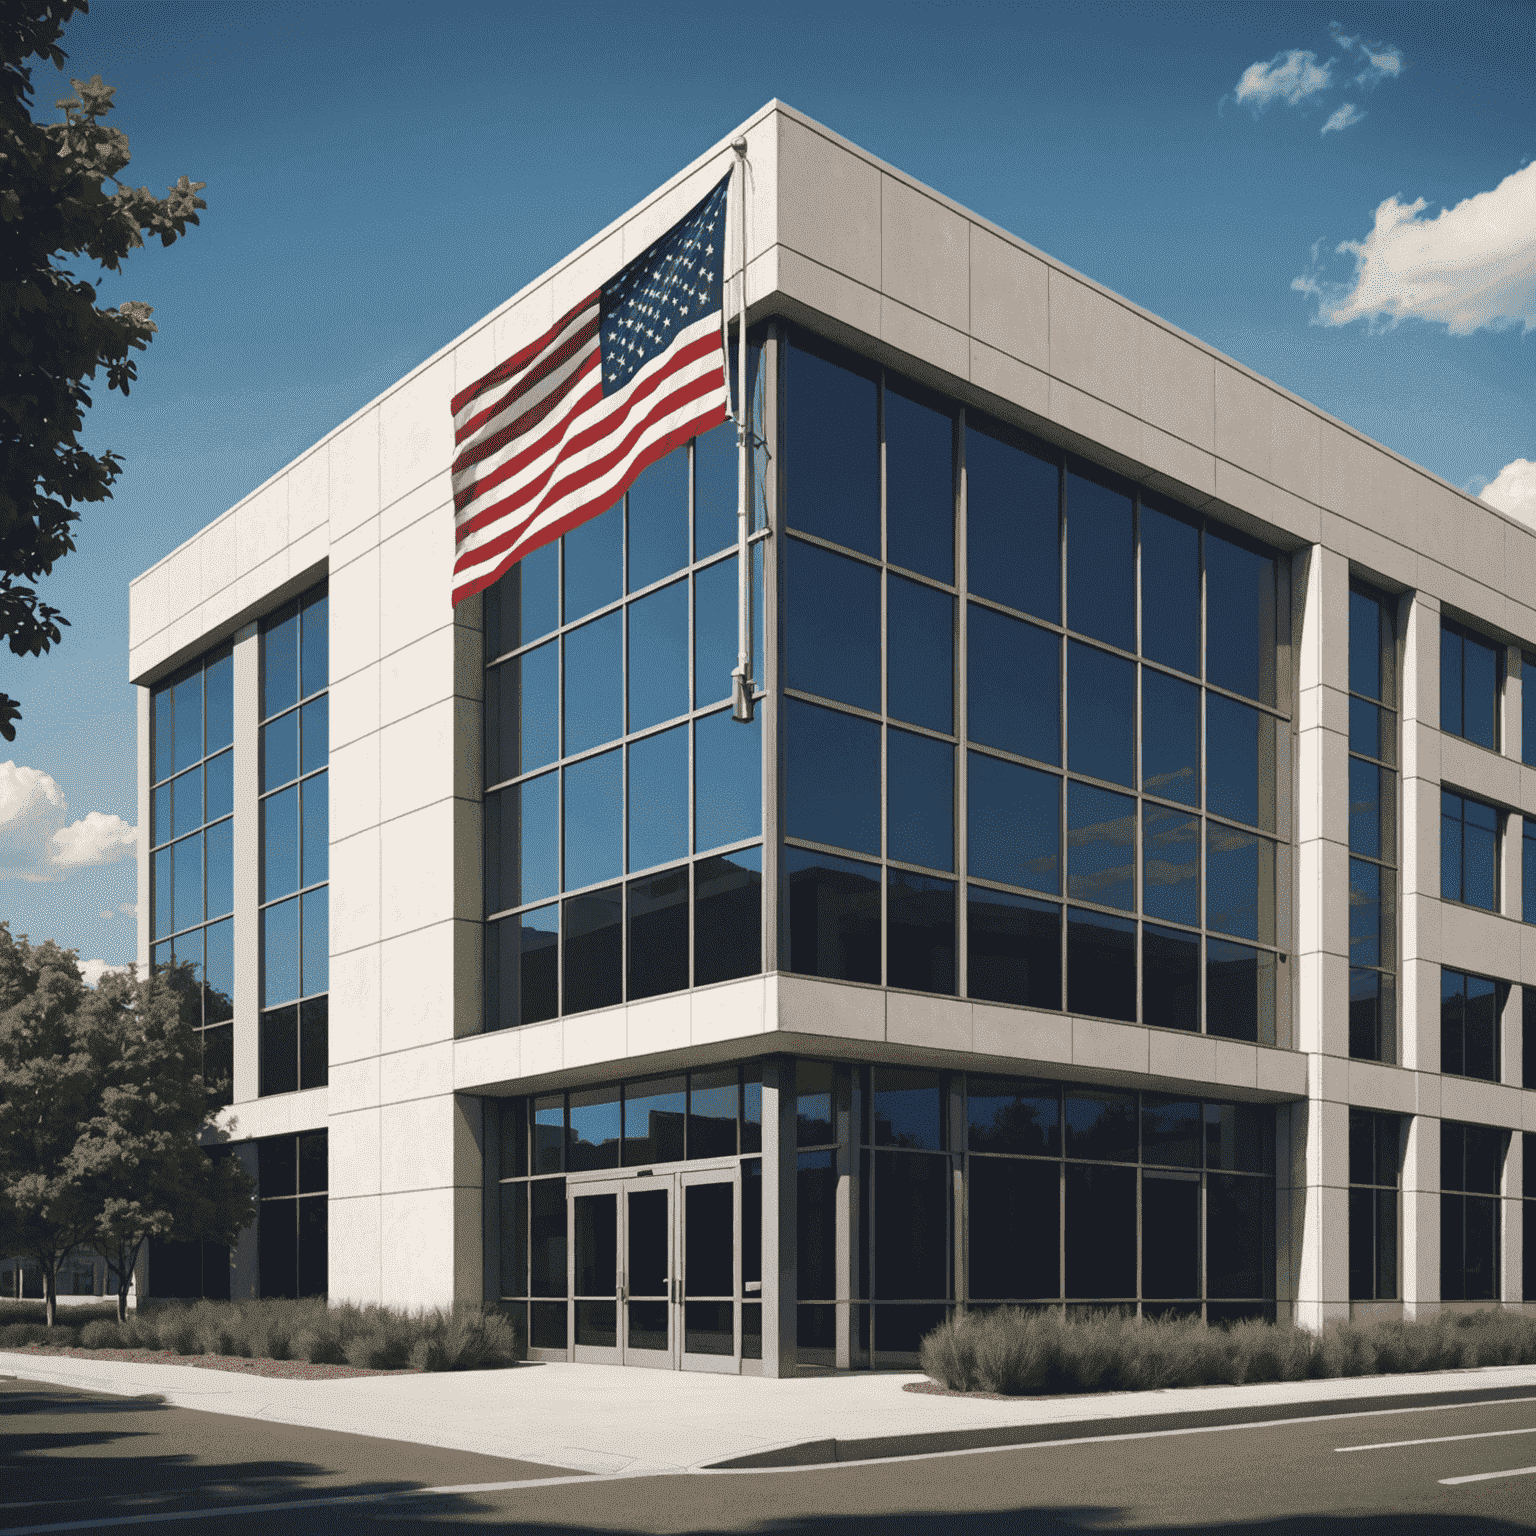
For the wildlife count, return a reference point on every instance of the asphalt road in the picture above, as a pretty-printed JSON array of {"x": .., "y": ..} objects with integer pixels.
[{"x": 75, "y": 1461}]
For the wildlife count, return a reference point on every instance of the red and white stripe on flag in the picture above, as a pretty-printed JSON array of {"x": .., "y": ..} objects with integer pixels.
[{"x": 539, "y": 448}]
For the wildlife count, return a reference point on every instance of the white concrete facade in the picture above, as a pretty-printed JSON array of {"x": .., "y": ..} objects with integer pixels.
[{"x": 866, "y": 256}]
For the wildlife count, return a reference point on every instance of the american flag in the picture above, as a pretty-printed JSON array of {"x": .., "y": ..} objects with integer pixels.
[{"x": 556, "y": 434}]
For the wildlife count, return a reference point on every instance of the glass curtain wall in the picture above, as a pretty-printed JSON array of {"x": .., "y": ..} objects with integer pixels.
[
  {"x": 1471, "y": 678},
  {"x": 295, "y": 846},
  {"x": 623, "y": 810},
  {"x": 710, "y": 1113},
  {"x": 1372, "y": 825},
  {"x": 1099, "y": 677},
  {"x": 192, "y": 886},
  {"x": 292, "y": 1175},
  {"x": 1471, "y": 1175},
  {"x": 1375, "y": 1143},
  {"x": 1471, "y": 1008},
  {"x": 1469, "y": 851}
]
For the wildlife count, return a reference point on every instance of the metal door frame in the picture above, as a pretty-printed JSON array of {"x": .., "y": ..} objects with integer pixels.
[{"x": 685, "y": 1179}]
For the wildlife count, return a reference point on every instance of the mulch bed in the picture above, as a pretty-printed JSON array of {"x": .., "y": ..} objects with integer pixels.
[
  {"x": 282, "y": 1370},
  {"x": 933, "y": 1389}
]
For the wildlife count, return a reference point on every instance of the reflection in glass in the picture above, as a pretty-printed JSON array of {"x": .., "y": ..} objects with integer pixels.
[
  {"x": 1365, "y": 912},
  {"x": 919, "y": 485},
  {"x": 1240, "y": 883},
  {"x": 1170, "y": 978},
  {"x": 1240, "y": 762},
  {"x": 522, "y": 843},
  {"x": 219, "y": 690},
  {"x": 279, "y": 666},
  {"x": 522, "y": 968},
  {"x": 658, "y": 798},
  {"x": 832, "y": 625},
  {"x": 524, "y": 603},
  {"x": 314, "y": 734},
  {"x": 188, "y": 880},
  {"x": 1239, "y": 992},
  {"x": 594, "y": 684},
  {"x": 1015, "y": 824},
  {"x": 715, "y": 490},
  {"x": 522, "y": 713},
  {"x": 833, "y": 771},
  {"x": 912, "y": 1237},
  {"x": 714, "y": 627},
  {"x": 909, "y": 1108},
  {"x": 280, "y": 750},
  {"x": 920, "y": 795},
  {"x": 920, "y": 638},
  {"x": 728, "y": 774},
  {"x": 1014, "y": 675},
  {"x": 1012, "y": 521},
  {"x": 280, "y": 953},
  {"x": 920, "y": 914},
  {"x": 1101, "y": 965},
  {"x": 712, "y": 1101},
  {"x": 658, "y": 934},
  {"x": 1009, "y": 1114},
  {"x": 221, "y": 867},
  {"x": 1101, "y": 588},
  {"x": 187, "y": 802},
  {"x": 1170, "y": 590},
  {"x": 1014, "y": 949},
  {"x": 1170, "y": 1131},
  {"x": 1101, "y": 841},
  {"x": 1170, "y": 871},
  {"x": 727, "y": 917},
  {"x": 1241, "y": 618},
  {"x": 658, "y": 520},
  {"x": 594, "y": 826},
  {"x": 315, "y": 914},
  {"x": 221, "y": 785},
  {"x": 658, "y": 649},
  {"x": 834, "y": 916},
  {"x": 594, "y": 563},
  {"x": 1372, "y": 793},
  {"x": 831, "y": 451},
  {"x": 1170, "y": 737},
  {"x": 653, "y": 1121},
  {"x": 1101, "y": 714},
  {"x": 593, "y": 950},
  {"x": 1101, "y": 1124}
]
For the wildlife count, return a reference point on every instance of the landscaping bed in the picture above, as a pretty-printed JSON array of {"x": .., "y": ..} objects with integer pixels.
[
  {"x": 1009, "y": 1352},
  {"x": 283, "y": 1370},
  {"x": 284, "y": 1335}
]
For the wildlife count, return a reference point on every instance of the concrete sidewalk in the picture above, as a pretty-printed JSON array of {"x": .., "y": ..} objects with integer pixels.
[{"x": 605, "y": 1419}]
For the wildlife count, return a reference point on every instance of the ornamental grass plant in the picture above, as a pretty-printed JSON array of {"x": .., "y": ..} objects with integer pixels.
[
  {"x": 1014, "y": 1352},
  {"x": 375, "y": 1338}
]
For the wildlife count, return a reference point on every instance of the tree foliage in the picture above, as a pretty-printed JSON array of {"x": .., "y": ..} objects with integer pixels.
[
  {"x": 60, "y": 197},
  {"x": 103, "y": 1114}
]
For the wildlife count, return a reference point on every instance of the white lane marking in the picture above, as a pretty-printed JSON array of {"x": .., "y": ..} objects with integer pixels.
[
  {"x": 1485, "y": 1477},
  {"x": 1392, "y": 1445}
]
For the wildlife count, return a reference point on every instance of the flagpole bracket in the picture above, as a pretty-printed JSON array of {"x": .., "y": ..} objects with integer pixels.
[{"x": 742, "y": 701}]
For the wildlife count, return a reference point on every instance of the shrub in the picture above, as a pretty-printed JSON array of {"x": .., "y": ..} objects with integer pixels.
[
  {"x": 101, "y": 1334},
  {"x": 1010, "y": 1351}
]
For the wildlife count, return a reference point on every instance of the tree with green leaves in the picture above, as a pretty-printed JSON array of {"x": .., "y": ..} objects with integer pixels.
[
  {"x": 106, "y": 1117},
  {"x": 60, "y": 197}
]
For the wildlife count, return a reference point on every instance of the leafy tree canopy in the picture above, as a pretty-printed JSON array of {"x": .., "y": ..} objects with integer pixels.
[
  {"x": 104, "y": 1110},
  {"x": 60, "y": 197}
]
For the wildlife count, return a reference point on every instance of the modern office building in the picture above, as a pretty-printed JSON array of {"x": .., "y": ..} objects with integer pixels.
[{"x": 1123, "y": 896}]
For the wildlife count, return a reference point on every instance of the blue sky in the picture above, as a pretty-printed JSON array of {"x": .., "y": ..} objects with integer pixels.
[{"x": 380, "y": 175}]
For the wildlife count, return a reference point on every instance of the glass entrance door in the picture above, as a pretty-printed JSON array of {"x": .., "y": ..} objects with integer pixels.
[
  {"x": 710, "y": 1251},
  {"x": 656, "y": 1270},
  {"x": 594, "y": 1249},
  {"x": 646, "y": 1290}
]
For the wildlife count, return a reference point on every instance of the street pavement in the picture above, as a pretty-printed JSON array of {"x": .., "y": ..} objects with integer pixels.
[
  {"x": 73, "y": 1461},
  {"x": 604, "y": 1419}
]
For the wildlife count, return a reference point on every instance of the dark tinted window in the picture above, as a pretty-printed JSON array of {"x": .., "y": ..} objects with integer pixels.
[
  {"x": 832, "y": 626},
  {"x": 1014, "y": 949},
  {"x": 1014, "y": 684},
  {"x": 1101, "y": 714},
  {"x": 1012, "y": 522},
  {"x": 1015, "y": 824},
  {"x": 658, "y": 648},
  {"x": 920, "y": 805},
  {"x": 1101, "y": 584},
  {"x": 658, "y": 520},
  {"x": 833, "y": 765},
  {"x": 920, "y": 638},
  {"x": 834, "y": 916},
  {"x": 594, "y": 563},
  {"x": 1170, "y": 737},
  {"x": 1170, "y": 590},
  {"x": 919, "y": 481},
  {"x": 831, "y": 448},
  {"x": 1240, "y": 622}
]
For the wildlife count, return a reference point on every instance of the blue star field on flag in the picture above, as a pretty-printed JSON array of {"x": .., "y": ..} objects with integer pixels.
[{"x": 669, "y": 286}]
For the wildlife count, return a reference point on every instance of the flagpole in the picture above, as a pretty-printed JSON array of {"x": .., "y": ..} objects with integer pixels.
[{"x": 741, "y": 678}]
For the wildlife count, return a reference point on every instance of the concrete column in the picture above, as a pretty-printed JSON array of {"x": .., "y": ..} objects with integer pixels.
[
  {"x": 1512, "y": 1281},
  {"x": 1421, "y": 1217},
  {"x": 1419, "y": 1002},
  {"x": 1511, "y": 734},
  {"x": 247, "y": 865},
  {"x": 845, "y": 1118},
  {"x": 1318, "y": 1201},
  {"x": 780, "y": 1284},
  {"x": 146, "y": 773}
]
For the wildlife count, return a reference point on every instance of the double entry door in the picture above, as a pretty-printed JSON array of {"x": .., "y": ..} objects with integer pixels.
[{"x": 656, "y": 1269}]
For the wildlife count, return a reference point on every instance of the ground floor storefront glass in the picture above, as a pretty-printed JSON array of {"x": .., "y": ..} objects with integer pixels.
[{"x": 627, "y": 1219}]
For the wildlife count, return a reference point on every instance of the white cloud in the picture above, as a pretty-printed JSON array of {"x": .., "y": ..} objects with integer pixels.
[
  {"x": 95, "y": 839},
  {"x": 1346, "y": 116},
  {"x": 1382, "y": 62},
  {"x": 1513, "y": 490},
  {"x": 37, "y": 840},
  {"x": 1470, "y": 266},
  {"x": 94, "y": 970},
  {"x": 1289, "y": 77}
]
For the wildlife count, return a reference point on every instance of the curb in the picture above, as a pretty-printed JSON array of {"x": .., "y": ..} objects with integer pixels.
[{"x": 812, "y": 1453}]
